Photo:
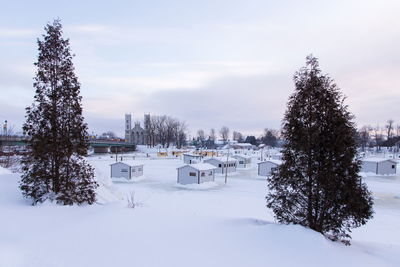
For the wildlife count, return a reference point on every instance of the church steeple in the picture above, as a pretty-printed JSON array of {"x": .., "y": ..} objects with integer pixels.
[{"x": 128, "y": 127}]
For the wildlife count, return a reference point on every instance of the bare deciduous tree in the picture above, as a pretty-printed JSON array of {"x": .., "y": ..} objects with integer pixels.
[
  {"x": 237, "y": 136},
  {"x": 378, "y": 137},
  {"x": 165, "y": 130},
  {"x": 389, "y": 128},
  {"x": 212, "y": 134},
  {"x": 170, "y": 128},
  {"x": 224, "y": 133},
  {"x": 7, "y": 157},
  {"x": 201, "y": 135},
  {"x": 181, "y": 134},
  {"x": 365, "y": 136}
]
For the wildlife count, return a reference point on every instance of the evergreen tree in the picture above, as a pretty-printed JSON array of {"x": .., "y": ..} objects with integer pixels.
[
  {"x": 269, "y": 138},
  {"x": 55, "y": 167},
  {"x": 318, "y": 185},
  {"x": 251, "y": 139}
]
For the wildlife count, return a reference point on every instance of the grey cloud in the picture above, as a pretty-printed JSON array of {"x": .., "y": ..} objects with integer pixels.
[
  {"x": 247, "y": 103},
  {"x": 15, "y": 78}
]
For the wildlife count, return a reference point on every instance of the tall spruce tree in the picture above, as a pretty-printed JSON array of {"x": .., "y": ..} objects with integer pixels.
[
  {"x": 55, "y": 168},
  {"x": 318, "y": 185}
]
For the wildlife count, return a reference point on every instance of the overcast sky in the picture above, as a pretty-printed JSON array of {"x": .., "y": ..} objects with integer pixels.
[{"x": 210, "y": 63}]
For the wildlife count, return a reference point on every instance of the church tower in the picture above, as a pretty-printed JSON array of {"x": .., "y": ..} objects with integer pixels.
[
  {"x": 128, "y": 127},
  {"x": 146, "y": 123}
]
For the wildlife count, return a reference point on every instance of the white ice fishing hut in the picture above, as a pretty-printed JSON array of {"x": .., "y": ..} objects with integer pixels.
[
  {"x": 379, "y": 165},
  {"x": 243, "y": 161},
  {"x": 123, "y": 170},
  {"x": 265, "y": 168},
  {"x": 196, "y": 173},
  {"x": 223, "y": 164},
  {"x": 191, "y": 158},
  {"x": 277, "y": 156}
]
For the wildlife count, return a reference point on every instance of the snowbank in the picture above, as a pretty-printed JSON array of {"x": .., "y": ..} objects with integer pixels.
[
  {"x": 106, "y": 192},
  {"x": 225, "y": 226},
  {"x": 4, "y": 171},
  {"x": 236, "y": 173},
  {"x": 202, "y": 186},
  {"x": 244, "y": 169},
  {"x": 128, "y": 181},
  {"x": 372, "y": 174}
]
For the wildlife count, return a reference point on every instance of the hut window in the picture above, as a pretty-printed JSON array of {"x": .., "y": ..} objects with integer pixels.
[
  {"x": 273, "y": 169},
  {"x": 219, "y": 165},
  {"x": 140, "y": 169},
  {"x": 241, "y": 162},
  {"x": 124, "y": 170},
  {"x": 133, "y": 169},
  {"x": 393, "y": 166},
  {"x": 203, "y": 174},
  {"x": 192, "y": 174}
]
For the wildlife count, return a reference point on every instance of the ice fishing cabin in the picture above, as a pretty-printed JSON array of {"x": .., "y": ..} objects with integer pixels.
[
  {"x": 162, "y": 154},
  {"x": 379, "y": 166},
  {"x": 123, "y": 170},
  {"x": 277, "y": 156},
  {"x": 265, "y": 168},
  {"x": 243, "y": 161},
  {"x": 223, "y": 164},
  {"x": 196, "y": 173},
  {"x": 191, "y": 158}
]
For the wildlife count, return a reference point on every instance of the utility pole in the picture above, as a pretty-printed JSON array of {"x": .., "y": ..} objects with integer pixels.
[
  {"x": 262, "y": 152},
  {"x": 226, "y": 167},
  {"x": 5, "y": 128}
]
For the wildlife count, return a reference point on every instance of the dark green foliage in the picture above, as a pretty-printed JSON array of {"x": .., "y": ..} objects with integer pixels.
[
  {"x": 318, "y": 185},
  {"x": 55, "y": 168},
  {"x": 391, "y": 142},
  {"x": 269, "y": 138},
  {"x": 251, "y": 140}
]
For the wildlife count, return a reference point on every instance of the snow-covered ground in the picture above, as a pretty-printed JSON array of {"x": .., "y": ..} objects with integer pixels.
[{"x": 209, "y": 225}]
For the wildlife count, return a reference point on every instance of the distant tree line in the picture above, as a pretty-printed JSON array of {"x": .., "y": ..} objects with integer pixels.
[
  {"x": 386, "y": 136},
  {"x": 166, "y": 130},
  {"x": 270, "y": 137}
]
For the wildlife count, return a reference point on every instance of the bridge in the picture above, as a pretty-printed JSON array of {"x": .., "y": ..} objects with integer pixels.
[
  {"x": 99, "y": 146},
  {"x": 13, "y": 140},
  {"x": 104, "y": 146}
]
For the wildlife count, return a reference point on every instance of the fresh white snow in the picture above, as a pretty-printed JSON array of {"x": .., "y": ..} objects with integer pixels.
[
  {"x": 200, "y": 166},
  {"x": 203, "y": 225}
]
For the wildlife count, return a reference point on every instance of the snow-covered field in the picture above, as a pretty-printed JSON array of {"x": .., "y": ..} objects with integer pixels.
[{"x": 171, "y": 225}]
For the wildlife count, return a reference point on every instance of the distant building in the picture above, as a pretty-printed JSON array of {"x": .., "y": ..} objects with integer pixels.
[
  {"x": 123, "y": 170},
  {"x": 277, "y": 156},
  {"x": 223, "y": 164},
  {"x": 177, "y": 153},
  {"x": 265, "y": 168},
  {"x": 196, "y": 173},
  {"x": 243, "y": 161},
  {"x": 242, "y": 146},
  {"x": 191, "y": 159},
  {"x": 379, "y": 165},
  {"x": 136, "y": 135}
]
